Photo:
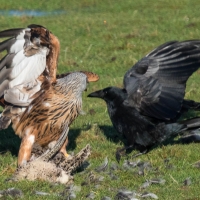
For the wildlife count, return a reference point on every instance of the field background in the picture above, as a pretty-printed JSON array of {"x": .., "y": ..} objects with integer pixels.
[{"x": 108, "y": 37}]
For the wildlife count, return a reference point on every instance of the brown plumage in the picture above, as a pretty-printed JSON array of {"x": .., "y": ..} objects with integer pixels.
[
  {"x": 44, "y": 119},
  {"x": 52, "y": 43},
  {"x": 38, "y": 103}
]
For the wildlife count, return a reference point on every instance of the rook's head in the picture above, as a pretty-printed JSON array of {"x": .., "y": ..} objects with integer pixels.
[{"x": 110, "y": 94}]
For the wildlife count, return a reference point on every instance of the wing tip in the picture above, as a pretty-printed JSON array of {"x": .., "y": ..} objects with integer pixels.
[{"x": 10, "y": 32}]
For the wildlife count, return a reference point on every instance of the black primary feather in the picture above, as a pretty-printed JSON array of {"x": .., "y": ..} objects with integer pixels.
[
  {"x": 147, "y": 109},
  {"x": 10, "y": 32}
]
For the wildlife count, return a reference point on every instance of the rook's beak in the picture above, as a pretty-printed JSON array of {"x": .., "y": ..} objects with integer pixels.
[{"x": 98, "y": 94}]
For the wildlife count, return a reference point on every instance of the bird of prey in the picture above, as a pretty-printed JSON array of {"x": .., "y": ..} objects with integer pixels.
[
  {"x": 32, "y": 56},
  {"x": 37, "y": 102},
  {"x": 146, "y": 110}
]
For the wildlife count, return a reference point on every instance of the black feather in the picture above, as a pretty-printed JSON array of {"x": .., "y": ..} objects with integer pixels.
[{"x": 10, "y": 32}]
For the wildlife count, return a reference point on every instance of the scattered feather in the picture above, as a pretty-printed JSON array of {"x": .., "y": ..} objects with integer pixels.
[
  {"x": 103, "y": 167},
  {"x": 70, "y": 192},
  {"x": 106, "y": 198},
  {"x": 125, "y": 165},
  {"x": 139, "y": 154},
  {"x": 144, "y": 165},
  {"x": 100, "y": 178},
  {"x": 149, "y": 195},
  {"x": 129, "y": 165},
  {"x": 197, "y": 164},
  {"x": 157, "y": 181},
  {"x": 114, "y": 166},
  {"x": 85, "y": 165},
  {"x": 133, "y": 163},
  {"x": 113, "y": 176},
  {"x": 145, "y": 185},
  {"x": 72, "y": 195},
  {"x": 41, "y": 193},
  {"x": 124, "y": 194},
  {"x": 167, "y": 163},
  {"x": 97, "y": 186},
  {"x": 119, "y": 153},
  {"x": 170, "y": 166},
  {"x": 140, "y": 172},
  {"x": 73, "y": 188},
  {"x": 13, "y": 192},
  {"x": 91, "y": 195},
  {"x": 187, "y": 181},
  {"x": 92, "y": 178}
]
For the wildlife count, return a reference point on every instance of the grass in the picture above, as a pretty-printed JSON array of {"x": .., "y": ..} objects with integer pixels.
[{"x": 108, "y": 37}]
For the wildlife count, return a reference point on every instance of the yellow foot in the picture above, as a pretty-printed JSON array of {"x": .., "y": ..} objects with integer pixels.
[{"x": 67, "y": 156}]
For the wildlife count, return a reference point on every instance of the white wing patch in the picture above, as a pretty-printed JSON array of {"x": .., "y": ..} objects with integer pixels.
[
  {"x": 21, "y": 95},
  {"x": 21, "y": 35},
  {"x": 17, "y": 46},
  {"x": 19, "y": 70},
  {"x": 29, "y": 69}
]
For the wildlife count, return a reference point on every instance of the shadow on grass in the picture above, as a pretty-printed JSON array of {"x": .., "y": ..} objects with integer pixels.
[
  {"x": 9, "y": 141},
  {"x": 112, "y": 135},
  {"x": 72, "y": 135}
]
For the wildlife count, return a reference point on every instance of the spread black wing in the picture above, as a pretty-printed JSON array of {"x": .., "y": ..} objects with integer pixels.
[{"x": 156, "y": 84}]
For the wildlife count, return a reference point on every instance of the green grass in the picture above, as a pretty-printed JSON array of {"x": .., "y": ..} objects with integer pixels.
[{"x": 108, "y": 37}]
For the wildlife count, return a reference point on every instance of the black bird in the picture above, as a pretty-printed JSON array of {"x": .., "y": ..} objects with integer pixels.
[{"x": 146, "y": 110}]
